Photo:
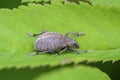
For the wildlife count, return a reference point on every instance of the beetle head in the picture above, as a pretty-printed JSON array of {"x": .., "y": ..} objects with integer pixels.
[
  {"x": 71, "y": 43},
  {"x": 75, "y": 45}
]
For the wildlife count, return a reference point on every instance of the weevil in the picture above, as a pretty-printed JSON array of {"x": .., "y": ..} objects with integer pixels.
[{"x": 54, "y": 42}]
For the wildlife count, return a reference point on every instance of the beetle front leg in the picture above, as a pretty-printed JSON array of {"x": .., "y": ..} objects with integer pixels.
[
  {"x": 75, "y": 50},
  {"x": 85, "y": 51},
  {"x": 81, "y": 51}
]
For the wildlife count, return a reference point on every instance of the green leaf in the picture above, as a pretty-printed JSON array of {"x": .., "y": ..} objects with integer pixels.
[
  {"x": 107, "y": 2},
  {"x": 75, "y": 73},
  {"x": 64, "y": 1},
  {"x": 54, "y": 73},
  {"x": 102, "y": 33}
]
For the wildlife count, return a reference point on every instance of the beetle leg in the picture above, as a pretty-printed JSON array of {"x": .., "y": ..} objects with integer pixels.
[
  {"x": 86, "y": 51},
  {"x": 64, "y": 49},
  {"x": 81, "y": 51},
  {"x": 75, "y": 50},
  {"x": 34, "y": 35},
  {"x": 80, "y": 34},
  {"x": 56, "y": 54},
  {"x": 33, "y": 54},
  {"x": 75, "y": 34},
  {"x": 38, "y": 52}
]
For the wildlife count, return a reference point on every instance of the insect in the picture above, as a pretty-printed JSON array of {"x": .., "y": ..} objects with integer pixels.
[{"x": 53, "y": 42}]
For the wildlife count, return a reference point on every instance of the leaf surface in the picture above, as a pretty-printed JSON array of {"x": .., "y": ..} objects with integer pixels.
[
  {"x": 75, "y": 73},
  {"x": 102, "y": 33}
]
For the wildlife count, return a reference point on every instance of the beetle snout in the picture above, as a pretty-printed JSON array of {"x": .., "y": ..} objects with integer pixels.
[{"x": 76, "y": 45}]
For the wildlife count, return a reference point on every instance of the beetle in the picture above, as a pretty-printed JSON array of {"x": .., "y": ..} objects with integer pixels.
[{"x": 54, "y": 42}]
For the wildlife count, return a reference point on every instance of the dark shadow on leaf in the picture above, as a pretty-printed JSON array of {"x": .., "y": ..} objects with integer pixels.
[
  {"x": 112, "y": 69},
  {"x": 10, "y": 4},
  {"x": 28, "y": 73}
]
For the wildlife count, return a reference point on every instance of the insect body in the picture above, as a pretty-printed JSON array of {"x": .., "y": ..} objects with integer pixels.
[{"x": 51, "y": 42}]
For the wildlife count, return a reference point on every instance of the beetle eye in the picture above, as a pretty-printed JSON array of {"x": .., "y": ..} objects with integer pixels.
[{"x": 76, "y": 45}]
